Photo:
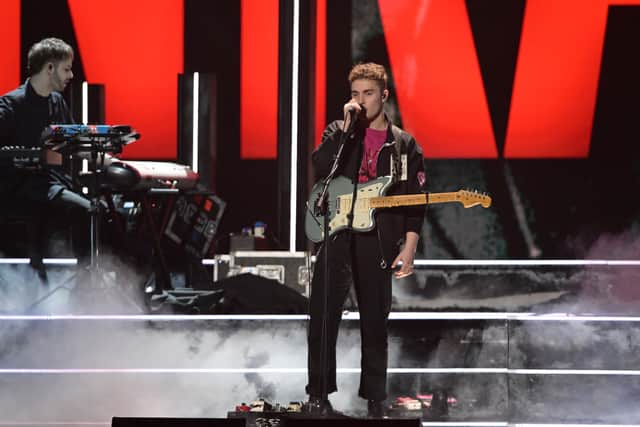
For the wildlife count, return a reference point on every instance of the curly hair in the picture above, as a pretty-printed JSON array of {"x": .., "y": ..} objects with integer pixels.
[
  {"x": 369, "y": 71},
  {"x": 47, "y": 50}
]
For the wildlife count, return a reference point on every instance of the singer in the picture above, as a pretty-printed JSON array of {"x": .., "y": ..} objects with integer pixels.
[{"x": 374, "y": 148}]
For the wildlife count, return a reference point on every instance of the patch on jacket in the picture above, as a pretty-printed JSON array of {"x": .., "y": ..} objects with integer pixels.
[
  {"x": 403, "y": 167},
  {"x": 422, "y": 178}
]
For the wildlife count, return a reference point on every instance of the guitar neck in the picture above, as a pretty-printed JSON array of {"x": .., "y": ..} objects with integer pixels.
[{"x": 412, "y": 200}]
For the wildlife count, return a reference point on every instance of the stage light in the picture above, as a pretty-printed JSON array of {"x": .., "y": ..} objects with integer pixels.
[
  {"x": 196, "y": 114},
  {"x": 293, "y": 188},
  {"x": 85, "y": 103}
]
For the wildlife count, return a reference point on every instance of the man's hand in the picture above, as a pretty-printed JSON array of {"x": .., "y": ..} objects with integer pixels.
[
  {"x": 352, "y": 104},
  {"x": 406, "y": 256}
]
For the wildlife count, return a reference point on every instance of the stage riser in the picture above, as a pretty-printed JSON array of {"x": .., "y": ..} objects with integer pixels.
[
  {"x": 226, "y": 356},
  {"x": 541, "y": 289},
  {"x": 585, "y": 399},
  {"x": 412, "y": 344},
  {"x": 244, "y": 347},
  {"x": 574, "y": 345},
  {"x": 273, "y": 344}
]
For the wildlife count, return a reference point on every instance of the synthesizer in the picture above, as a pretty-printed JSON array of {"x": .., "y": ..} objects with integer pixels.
[{"x": 146, "y": 175}]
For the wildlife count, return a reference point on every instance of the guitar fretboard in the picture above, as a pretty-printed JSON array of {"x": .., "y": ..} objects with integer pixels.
[{"x": 412, "y": 200}]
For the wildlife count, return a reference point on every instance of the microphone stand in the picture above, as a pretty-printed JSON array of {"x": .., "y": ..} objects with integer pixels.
[{"x": 321, "y": 207}]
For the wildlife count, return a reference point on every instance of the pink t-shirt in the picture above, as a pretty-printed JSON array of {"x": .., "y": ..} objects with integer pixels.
[{"x": 373, "y": 141}]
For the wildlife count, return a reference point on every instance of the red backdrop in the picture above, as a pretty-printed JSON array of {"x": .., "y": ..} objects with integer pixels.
[{"x": 437, "y": 77}]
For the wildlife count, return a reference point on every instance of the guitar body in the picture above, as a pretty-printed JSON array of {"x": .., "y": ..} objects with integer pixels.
[{"x": 339, "y": 206}]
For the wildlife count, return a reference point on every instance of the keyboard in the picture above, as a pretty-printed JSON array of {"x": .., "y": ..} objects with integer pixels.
[
  {"x": 143, "y": 175},
  {"x": 22, "y": 157}
]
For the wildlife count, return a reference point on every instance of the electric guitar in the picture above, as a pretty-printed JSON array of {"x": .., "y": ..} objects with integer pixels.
[{"x": 370, "y": 196}]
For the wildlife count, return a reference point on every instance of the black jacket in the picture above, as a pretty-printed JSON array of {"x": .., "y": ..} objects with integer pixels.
[
  {"x": 24, "y": 115},
  {"x": 393, "y": 223}
]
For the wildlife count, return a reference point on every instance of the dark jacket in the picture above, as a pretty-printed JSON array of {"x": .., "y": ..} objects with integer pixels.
[
  {"x": 23, "y": 116},
  {"x": 392, "y": 223}
]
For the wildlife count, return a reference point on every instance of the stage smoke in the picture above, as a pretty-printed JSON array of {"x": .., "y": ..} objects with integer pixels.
[
  {"x": 19, "y": 287},
  {"x": 116, "y": 345},
  {"x": 116, "y": 289}
]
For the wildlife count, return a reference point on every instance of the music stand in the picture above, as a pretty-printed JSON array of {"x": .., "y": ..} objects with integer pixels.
[{"x": 92, "y": 143}]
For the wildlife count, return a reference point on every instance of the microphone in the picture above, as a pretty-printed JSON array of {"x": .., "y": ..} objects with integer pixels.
[
  {"x": 353, "y": 113},
  {"x": 352, "y": 116}
]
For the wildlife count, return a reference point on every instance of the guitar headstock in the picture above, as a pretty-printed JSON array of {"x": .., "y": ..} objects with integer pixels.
[{"x": 471, "y": 198}]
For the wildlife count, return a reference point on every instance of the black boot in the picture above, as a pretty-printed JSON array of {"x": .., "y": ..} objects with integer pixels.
[
  {"x": 319, "y": 407},
  {"x": 375, "y": 409}
]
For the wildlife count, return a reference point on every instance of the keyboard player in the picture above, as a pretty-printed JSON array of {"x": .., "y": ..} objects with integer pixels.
[{"x": 24, "y": 114}]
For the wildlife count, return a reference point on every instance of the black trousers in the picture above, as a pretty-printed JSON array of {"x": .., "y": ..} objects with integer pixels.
[
  {"x": 353, "y": 258},
  {"x": 46, "y": 199}
]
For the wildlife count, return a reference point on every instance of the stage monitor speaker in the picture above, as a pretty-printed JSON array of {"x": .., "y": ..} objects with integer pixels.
[
  {"x": 251, "y": 294},
  {"x": 176, "y": 422}
]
